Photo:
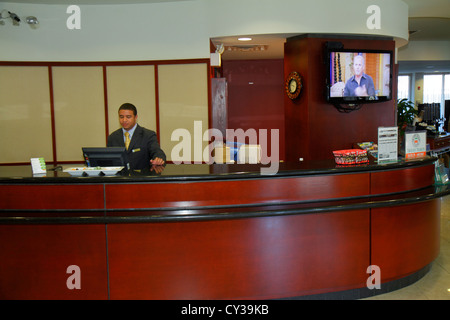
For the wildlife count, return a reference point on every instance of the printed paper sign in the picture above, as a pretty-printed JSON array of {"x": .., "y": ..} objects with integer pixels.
[
  {"x": 387, "y": 144},
  {"x": 38, "y": 165},
  {"x": 415, "y": 144}
]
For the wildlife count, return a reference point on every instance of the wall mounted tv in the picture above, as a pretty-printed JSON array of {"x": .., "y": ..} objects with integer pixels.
[{"x": 358, "y": 76}]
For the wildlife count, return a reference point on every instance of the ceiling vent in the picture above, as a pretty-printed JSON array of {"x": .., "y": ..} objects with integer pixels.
[{"x": 247, "y": 48}]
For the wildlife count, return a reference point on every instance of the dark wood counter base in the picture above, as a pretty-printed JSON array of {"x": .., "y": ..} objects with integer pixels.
[{"x": 287, "y": 236}]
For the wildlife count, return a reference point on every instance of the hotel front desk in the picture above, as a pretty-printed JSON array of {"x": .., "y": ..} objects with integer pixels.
[{"x": 203, "y": 231}]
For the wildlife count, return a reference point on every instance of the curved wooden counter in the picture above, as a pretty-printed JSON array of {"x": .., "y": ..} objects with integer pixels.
[{"x": 217, "y": 231}]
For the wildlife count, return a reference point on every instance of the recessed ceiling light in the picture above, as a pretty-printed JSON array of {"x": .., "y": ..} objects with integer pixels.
[{"x": 245, "y": 39}]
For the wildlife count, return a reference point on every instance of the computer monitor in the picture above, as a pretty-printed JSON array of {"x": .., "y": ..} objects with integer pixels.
[{"x": 105, "y": 157}]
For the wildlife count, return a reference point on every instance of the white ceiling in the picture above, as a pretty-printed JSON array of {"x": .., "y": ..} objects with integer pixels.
[{"x": 428, "y": 20}]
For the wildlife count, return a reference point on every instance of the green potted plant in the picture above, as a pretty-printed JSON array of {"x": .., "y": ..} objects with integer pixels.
[{"x": 406, "y": 112}]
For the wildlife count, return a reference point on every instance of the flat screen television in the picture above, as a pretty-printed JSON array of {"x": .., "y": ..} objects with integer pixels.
[
  {"x": 358, "y": 76},
  {"x": 105, "y": 157}
]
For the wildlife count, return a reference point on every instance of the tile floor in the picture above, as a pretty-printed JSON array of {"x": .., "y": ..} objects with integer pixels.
[{"x": 435, "y": 285}]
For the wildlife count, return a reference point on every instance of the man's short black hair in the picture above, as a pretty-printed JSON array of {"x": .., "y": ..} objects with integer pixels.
[{"x": 129, "y": 106}]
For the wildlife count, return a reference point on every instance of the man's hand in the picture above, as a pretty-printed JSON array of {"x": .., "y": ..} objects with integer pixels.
[
  {"x": 157, "y": 165},
  {"x": 361, "y": 91}
]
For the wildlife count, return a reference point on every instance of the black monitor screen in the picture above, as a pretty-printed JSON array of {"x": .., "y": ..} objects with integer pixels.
[{"x": 105, "y": 157}]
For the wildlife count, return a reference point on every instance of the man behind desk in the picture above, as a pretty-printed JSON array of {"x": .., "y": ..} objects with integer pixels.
[{"x": 143, "y": 148}]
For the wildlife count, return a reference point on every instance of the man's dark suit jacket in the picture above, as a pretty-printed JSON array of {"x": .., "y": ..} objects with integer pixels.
[{"x": 143, "y": 147}]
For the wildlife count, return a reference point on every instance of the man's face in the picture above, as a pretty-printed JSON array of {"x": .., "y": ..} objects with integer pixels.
[
  {"x": 358, "y": 65},
  {"x": 127, "y": 119}
]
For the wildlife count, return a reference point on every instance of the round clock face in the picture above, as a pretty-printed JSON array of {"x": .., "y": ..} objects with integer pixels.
[{"x": 293, "y": 85}]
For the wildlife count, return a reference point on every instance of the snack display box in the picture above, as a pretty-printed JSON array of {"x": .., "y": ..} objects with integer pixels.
[{"x": 350, "y": 156}]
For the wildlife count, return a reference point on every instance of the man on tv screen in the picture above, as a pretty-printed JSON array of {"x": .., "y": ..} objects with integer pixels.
[{"x": 360, "y": 84}]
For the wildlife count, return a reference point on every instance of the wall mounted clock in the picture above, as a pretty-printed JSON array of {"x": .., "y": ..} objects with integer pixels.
[{"x": 293, "y": 85}]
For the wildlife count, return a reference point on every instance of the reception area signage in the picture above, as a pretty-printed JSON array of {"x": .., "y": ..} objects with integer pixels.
[
  {"x": 387, "y": 144},
  {"x": 415, "y": 144}
]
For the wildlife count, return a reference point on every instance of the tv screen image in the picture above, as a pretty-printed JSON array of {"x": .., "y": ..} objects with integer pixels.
[{"x": 359, "y": 76}]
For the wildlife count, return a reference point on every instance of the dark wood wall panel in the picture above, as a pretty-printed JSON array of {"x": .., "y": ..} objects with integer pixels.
[
  {"x": 59, "y": 196},
  {"x": 231, "y": 192},
  {"x": 34, "y": 261},
  {"x": 247, "y": 258},
  {"x": 314, "y": 127},
  {"x": 255, "y": 92},
  {"x": 405, "y": 239},
  {"x": 401, "y": 180}
]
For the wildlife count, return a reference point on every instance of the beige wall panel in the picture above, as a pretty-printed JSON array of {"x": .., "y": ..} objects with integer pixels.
[
  {"x": 183, "y": 99},
  {"x": 136, "y": 85},
  {"x": 79, "y": 110},
  {"x": 25, "y": 122}
]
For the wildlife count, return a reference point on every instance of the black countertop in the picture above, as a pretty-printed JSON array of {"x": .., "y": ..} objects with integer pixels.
[
  {"x": 199, "y": 172},
  {"x": 203, "y": 172}
]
